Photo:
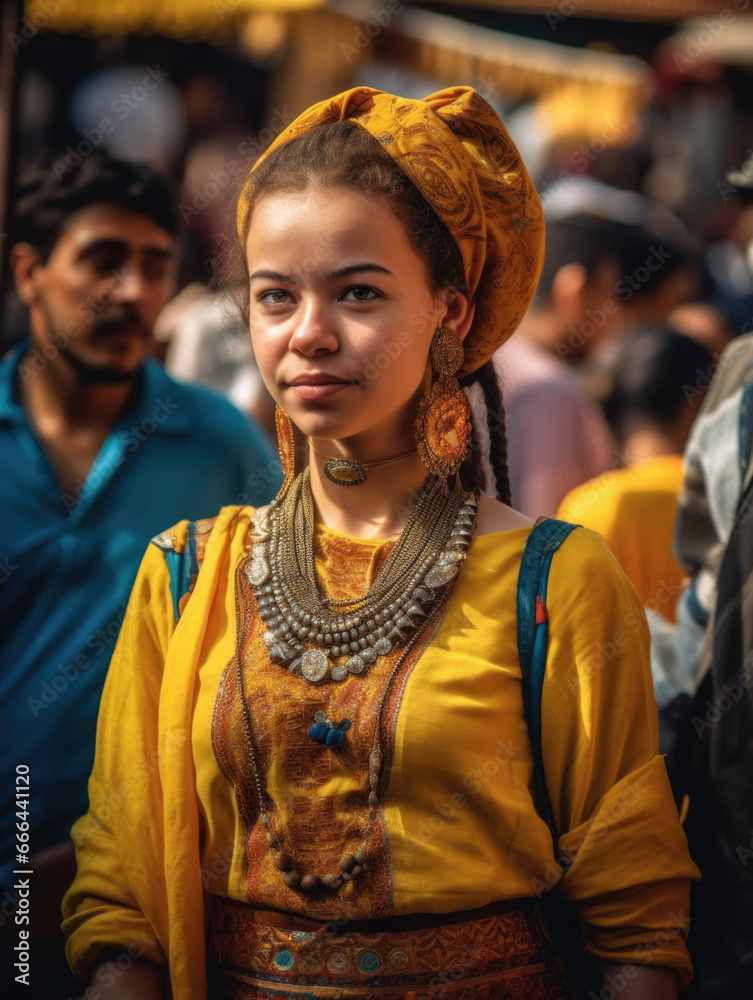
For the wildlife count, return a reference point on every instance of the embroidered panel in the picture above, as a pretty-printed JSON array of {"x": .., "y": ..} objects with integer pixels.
[
  {"x": 493, "y": 958},
  {"x": 317, "y": 797}
]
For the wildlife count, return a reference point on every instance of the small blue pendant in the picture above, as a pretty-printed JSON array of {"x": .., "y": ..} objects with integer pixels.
[{"x": 326, "y": 732}]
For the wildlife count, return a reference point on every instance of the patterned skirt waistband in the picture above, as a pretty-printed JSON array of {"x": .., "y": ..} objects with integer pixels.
[{"x": 497, "y": 954}]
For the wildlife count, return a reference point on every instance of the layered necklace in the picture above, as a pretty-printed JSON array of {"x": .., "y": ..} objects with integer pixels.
[{"x": 320, "y": 639}]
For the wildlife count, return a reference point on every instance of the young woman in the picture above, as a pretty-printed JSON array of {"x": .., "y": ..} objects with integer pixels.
[{"x": 314, "y": 776}]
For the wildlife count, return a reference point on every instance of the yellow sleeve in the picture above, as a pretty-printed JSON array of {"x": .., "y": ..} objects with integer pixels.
[
  {"x": 115, "y": 898},
  {"x": 625, "y": 853}
]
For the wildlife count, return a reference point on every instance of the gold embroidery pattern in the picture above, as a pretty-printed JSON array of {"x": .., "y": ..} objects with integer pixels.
[
  {"x": 317, "y": 797},
  {"x": 492, "y": 958}
]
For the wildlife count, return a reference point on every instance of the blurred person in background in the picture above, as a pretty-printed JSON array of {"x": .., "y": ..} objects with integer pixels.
[
  {"x": 654, "y": 397},
  {"x": 205, "y": 343},
  {"x": 718, "y": 465},
  {"x": 705, "y": 322},
  {"x": 100, "y": 449},
  {"x": 710, "y": 758},
  {"x": 598, "y": 276},
  {"x": 200, "y": 333},
  {"x": 711, "y": 649}
]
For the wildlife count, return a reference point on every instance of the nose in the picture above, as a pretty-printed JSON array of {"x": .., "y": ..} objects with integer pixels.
[
  {"x": 315, "y": 329},
  {"x": 129, "y": 284}
]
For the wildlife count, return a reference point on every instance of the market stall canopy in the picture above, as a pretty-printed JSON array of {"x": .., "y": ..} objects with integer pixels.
[
  {"x": 698, "y": 41},
  {"x": 620, "y": 10},
  {"x": 204, "y": 19}
]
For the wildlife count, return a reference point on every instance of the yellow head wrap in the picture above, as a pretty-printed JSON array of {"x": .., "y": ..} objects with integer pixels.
[{"x": 455, "y": 149}]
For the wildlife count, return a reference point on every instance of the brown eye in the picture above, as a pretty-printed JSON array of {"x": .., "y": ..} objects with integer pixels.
[
  {"x": 275, "y": 296},
  {"x": 361, "y": 293}
]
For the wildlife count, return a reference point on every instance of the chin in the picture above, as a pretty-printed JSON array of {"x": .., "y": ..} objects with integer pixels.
[{"x": 105, "y": 366}]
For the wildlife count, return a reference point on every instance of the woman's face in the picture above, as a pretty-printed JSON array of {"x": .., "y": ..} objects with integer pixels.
[{"x": 341, "y": 315}]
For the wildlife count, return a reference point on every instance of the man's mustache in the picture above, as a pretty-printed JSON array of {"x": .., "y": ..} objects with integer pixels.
[{"x": 114, "y": 324}]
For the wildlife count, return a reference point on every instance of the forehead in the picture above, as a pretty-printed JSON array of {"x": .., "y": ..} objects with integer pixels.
[
  {"x": 112, "y": 222},
  {"x": 324, "y": 221}
]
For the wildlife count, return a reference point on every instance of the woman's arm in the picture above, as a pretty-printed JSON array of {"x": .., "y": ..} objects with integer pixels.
[
  {"x": 118, "y": 979},
  {"x": 638, "y": 982},
  {"x": 626, "y": 857}
]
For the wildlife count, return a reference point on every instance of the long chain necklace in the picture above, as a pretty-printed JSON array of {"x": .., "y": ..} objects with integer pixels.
[
  {"x": 318, "y": 638},
  {"x": 312, "y": 635}
]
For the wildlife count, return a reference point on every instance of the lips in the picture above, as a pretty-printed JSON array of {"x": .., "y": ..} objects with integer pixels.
[
  {"x": 318, "y": 385},
  {"x": 319, "y": 378}
]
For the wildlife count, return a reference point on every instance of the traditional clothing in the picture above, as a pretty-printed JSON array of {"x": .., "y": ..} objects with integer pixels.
[
  {"x": 456, "y": 827},
  {"x": 211, "y": 765}
]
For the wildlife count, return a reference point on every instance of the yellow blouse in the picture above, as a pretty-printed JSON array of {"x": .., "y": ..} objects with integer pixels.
[{"x": 456, "y": 827}]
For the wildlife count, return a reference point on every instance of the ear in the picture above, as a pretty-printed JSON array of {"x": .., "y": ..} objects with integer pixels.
[
  {"x": 458, "y": 311},
  {"x": 25, "y": 262},
  {"x": 568, "y": 288}
]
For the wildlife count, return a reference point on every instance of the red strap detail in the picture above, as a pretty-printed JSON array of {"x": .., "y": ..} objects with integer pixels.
[{"x": 541, "y": 612}]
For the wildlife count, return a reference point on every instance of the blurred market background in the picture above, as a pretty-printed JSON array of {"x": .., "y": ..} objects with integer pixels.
[{"x": 620, "y": 107}]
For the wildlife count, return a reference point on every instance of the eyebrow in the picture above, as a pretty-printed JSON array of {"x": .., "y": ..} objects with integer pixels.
[
  {"x": 341, "y": 272},
  {"x": 120, "y": 246}
]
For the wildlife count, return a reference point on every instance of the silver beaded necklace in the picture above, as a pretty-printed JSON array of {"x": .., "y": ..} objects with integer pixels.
[{"x": 321, "y": 639}]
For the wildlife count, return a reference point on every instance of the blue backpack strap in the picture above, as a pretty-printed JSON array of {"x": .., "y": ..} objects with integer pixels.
[
  {"x": 533, "y": 633},
  {"x": 182, "y": 567},
  {"x": 183, "y": 561}
]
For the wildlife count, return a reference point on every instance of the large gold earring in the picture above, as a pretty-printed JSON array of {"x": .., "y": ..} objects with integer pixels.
[
  {"x": 443, "y": 422},
  {"x": 286, "y": 447}
]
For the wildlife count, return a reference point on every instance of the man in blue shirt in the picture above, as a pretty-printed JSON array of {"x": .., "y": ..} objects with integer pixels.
[{"x": 100, "y": 450}]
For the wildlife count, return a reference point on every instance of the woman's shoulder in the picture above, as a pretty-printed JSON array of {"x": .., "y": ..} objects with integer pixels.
[
  {"x": 584, "y": 553},
  {"x": 224, "y": 528}
]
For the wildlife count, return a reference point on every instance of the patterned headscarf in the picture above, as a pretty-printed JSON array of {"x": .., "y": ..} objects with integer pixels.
[{"x": 455, "y": 149}]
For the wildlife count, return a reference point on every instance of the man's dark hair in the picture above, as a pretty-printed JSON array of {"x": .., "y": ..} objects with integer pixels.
[
  {"x": 653, "y": 371},
  {"x": 47, "y": 195},
  {"x": 590, "y": 240}
]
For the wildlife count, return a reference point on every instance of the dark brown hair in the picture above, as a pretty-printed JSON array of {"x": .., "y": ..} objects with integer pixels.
[{"x": 343, "y": 154}]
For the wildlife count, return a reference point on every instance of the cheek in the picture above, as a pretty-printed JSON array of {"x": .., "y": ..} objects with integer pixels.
[{"x": 267, "y": 353}]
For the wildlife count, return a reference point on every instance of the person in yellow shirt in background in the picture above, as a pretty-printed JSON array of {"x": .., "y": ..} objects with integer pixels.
[{"x": 657, "y": 379}]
